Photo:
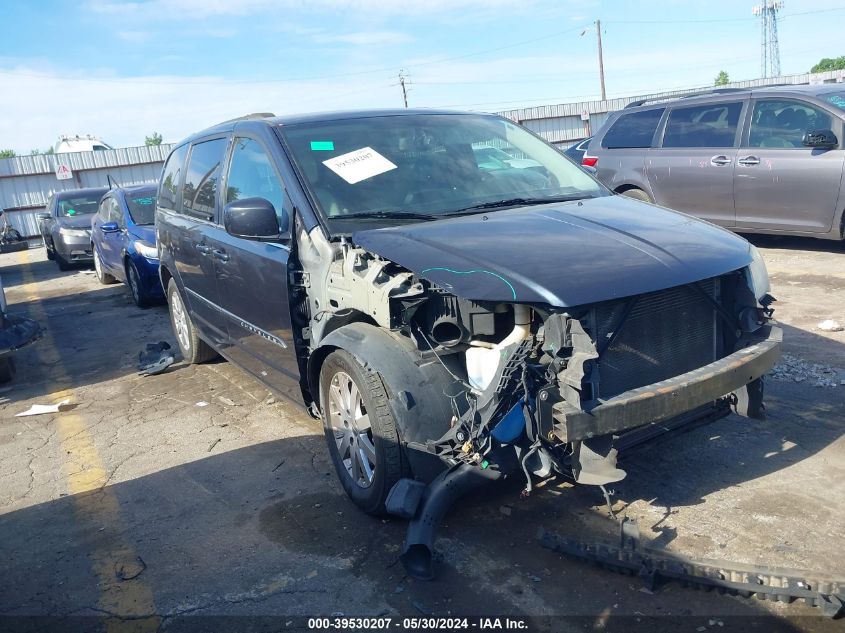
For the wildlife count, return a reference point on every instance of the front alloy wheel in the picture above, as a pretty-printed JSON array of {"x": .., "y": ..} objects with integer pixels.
[
  {"x": 361, "y": 432},
  {"x": 350, "y": 425}
]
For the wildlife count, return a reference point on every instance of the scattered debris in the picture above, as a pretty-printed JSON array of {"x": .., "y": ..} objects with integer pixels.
[
  {"x": 270, "y": 400},
  {"x": 227, "y": 401},
  {"x": 829, "y": 325},
  {"x": 506, "y": 510},
  {"x": 155, "y": 358},
  {"x": 793, "y": 369},
  {"x": 202, "y": 403},
  {"x": 130, "y": 569},
  {"x": 279, "y": 465},
  {"x": 41, "y": 409},
  {"x": 419, "y": 606},
  {"x": 213, "y": 444}
]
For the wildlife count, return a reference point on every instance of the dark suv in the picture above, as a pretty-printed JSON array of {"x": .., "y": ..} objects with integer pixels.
[
  {"x": 762, "y": 160},
  {"x": 450, "y": 322}
]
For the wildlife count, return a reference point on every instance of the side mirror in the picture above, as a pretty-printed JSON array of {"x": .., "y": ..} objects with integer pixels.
[
  {"x": 109, "y": 227},
  {"x": 820, "y": 138},
  {"x": 43, "y": 216},
  {"x": 254, "y": 219}
]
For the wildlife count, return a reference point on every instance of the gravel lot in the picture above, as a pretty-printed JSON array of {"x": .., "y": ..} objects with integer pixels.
[{"x": 198, "y": 492}]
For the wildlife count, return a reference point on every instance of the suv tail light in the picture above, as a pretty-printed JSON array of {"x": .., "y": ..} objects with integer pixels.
[{"x": 589, "y": 161}]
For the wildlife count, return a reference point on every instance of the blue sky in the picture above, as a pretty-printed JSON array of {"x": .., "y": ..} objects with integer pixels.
[{"x": 121, "y": 70}]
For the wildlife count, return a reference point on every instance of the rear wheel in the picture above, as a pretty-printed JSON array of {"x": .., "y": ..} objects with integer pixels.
[
  {"x": 102, "y": 276},
  {"x": 637, "y": 194},
  {"x": 193, "y": 348},
  {"x": 360, "y": 430}
]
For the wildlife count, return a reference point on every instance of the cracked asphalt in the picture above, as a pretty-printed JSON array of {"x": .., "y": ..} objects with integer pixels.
[{"x": 198, "y": 492}]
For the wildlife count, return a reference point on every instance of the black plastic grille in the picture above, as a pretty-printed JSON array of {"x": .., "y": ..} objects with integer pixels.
[{"x": 666, "y": 333}]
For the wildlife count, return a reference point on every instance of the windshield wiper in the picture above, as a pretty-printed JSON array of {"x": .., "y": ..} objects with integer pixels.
[
  {"x": 515, "y": 202},
  {"x": 386, "y": 215}
]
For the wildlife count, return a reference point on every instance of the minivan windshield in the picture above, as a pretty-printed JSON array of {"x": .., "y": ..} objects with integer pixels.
[{"x": 387, "y": 169}]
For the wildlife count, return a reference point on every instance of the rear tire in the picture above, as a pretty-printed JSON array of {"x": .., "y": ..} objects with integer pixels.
[
  {"x": 361, "y": 432},
  {"x": 102, "y": 276},
  {"x": 194, "y": 349},
  {"x": 638, "y": 194}
]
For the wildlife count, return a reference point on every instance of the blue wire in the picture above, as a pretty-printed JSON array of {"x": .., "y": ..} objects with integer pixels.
[{"x": 469, "y": 272}]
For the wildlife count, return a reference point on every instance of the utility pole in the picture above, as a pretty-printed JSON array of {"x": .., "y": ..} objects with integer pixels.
[
  {"x": 404, "y": 90},
  {"x": 601, "y": 61},
  {"x": 770, "y": 48}
]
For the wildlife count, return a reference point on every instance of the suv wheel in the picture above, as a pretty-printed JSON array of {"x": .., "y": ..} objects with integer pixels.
[
  {"x": 102, "y": 276},
  {"x": 193, "y": 348},
  {"x": 637, "y": 194},
  {"x": 360, "y": 430}
]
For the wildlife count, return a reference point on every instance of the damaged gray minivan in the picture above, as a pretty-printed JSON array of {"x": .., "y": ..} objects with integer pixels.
[{"x": 454, "y": 321}]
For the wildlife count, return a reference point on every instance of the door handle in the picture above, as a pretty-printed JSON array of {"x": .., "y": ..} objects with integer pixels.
[
  {"x": 202, "y": 248},
  {"x": 220, "y": 254},
  {"x": 720, "y": 160},
  {"x": 749, "y": 160}
]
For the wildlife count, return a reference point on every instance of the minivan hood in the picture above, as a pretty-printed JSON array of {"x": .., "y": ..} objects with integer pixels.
[{"x": 561, "y": 254}]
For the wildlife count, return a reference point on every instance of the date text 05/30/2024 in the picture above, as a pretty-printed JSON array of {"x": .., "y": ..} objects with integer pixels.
[{"x": 413, "y": 624}]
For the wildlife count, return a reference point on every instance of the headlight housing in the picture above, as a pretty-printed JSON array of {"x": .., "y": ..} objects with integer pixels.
[
  {"x": 757, "y": 275},
  {"x": 146, "y": 250},
  {"x": 73, "y": 232}
]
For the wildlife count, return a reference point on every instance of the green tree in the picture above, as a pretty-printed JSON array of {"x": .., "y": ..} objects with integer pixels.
[
  {"x": 34, "y": 152},
  {"x": 722, "y": 79},
  {"x": 826, "y": 63},
  {"x": 49, "y": 151},
  {"x": 153, "y": 139},
  {"x": 7, "y": 153}
]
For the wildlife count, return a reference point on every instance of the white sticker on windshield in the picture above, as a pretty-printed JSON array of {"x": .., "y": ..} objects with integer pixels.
[{"x": 359, "y": 165}]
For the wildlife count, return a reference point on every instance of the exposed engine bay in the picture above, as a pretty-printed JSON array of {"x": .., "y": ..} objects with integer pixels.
[{"x": 528, "y": 390}]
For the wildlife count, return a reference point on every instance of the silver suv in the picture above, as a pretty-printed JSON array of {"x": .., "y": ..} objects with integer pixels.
[{"x": 763, "y": 160}]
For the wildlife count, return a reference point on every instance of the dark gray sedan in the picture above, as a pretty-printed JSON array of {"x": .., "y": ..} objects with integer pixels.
[{"x": 66, "y": 225}]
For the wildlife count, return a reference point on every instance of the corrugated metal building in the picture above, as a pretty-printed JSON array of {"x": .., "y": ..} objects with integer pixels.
[
  {"x": 567, "y": 123},
  {"x": 26, "y": 182}
]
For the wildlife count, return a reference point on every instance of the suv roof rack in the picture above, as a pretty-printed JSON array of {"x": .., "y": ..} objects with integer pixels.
[
  {"x": 701, "y": 93},
  {"x": 250, "y": 117},
  {"x": 639, "y": 102}
]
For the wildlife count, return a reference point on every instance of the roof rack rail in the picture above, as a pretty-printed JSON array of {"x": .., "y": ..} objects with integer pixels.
[
  {"x": 701, "y": 93},
  {"x": 250, "y": 117}
]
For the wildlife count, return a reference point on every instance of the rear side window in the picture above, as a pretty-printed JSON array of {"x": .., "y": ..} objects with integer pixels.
[
  {"x": 633, "y": 130},
  {"x": 712, "y": 125},
  {"x": 170, "y": 178},
  {"x": 199, "y": 195}
]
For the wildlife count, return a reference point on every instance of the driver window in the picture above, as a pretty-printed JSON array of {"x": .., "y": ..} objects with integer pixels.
[
  {"x": 252, "y": 175},
  {"x": 778, "y": 123}
]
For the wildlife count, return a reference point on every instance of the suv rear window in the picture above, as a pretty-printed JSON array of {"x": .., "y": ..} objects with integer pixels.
[
  {"x": 711, "y": 125},
  {"x": 633, "y": 130}
]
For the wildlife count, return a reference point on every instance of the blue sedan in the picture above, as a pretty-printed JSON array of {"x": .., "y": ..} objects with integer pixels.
[{"x": 123, "y": 242}]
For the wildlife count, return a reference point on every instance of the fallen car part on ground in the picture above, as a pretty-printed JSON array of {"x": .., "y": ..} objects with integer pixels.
[
  {"x": 43, "y": 409},
  {"x": 654, "y": 566},
  {"x": 155, "y": 358}
]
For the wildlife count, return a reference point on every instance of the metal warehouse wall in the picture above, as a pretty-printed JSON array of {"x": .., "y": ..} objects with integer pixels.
[
  {"x": 26, "y": 182},
  {"x": 569, "y": 122}
]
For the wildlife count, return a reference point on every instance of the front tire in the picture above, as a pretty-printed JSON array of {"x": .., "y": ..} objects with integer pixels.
[
  {"x": 136, "y": 288},
  {"x": 194, "y": 349},
  {"x": 361, "y": 432}
]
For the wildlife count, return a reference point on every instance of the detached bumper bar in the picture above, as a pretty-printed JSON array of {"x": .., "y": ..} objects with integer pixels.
[{"x": 669, "y": 398}]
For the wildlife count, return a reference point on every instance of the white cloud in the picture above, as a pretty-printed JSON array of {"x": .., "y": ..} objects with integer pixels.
[
  {"x": 134, "y": 36},
  {"x": 365, "y": 38}
]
